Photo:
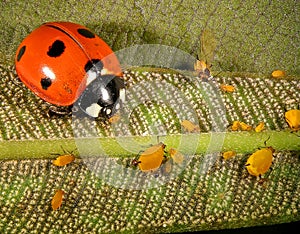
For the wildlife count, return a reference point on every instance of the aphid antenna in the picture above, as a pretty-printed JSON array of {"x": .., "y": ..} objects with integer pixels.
[{"x": 265, "y": 142}]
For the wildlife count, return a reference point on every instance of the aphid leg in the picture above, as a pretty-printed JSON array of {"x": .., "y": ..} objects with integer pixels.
[{"x": 265, "y": 142}]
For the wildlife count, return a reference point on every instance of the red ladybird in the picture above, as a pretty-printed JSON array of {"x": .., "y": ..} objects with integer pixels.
[{"x": 65, "y": 63}]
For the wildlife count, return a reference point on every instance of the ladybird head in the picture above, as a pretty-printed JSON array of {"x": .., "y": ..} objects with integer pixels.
[{"x": 103, "y": 96}]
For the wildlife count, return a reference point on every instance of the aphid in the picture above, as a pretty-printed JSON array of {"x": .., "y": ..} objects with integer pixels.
[
  {"x": 227, "y": 88},
  {"x": 245, "y": 127},
  {"x": 259, "y": 162},
  {"x": 292, "y": 117},
  {"x": 176, "y": 156},
  {"x": 235, "y": 125},
  {"x": 63, "y": 160},
  {"x": 189, "y": 126},
  {"x": 114, "y": 119},
  {"x": 202, "y": 69},
  {"x": 260, "y": 127},
  {"x": 57, "y": 199},
  {"x": 228, "y": 154},
  {"x": 151, "y": 158},
  {"x": 278, "y": 74}
]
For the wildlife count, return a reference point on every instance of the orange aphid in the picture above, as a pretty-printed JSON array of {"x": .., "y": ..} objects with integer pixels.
[
  {"x": 189, "y": 126},
  {"x": 227, "y": 88},
  {"x": 63, "y": 160},
  {"x": 114, "y": 119},
  {"x": 260, "y": 127},
  {"x": 176, "y": 156},
  {"x": 235, "y": 125},
  {"x": 259, "y": 162},
  {"x": 278, "y": 74},
  {"x": 245, "y": 127},
  {"x": 57, "y": 199},
  {"x": 292, "y": 117},
  {"x": 228, "y": 154},
  {"x": 202, "y": 69},
  {"x": 151, "y": 158}
]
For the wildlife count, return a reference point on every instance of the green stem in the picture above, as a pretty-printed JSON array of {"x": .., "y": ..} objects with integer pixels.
[{"x": 241, "y": 142}]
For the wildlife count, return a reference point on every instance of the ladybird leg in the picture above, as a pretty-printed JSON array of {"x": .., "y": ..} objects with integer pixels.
[
  {"x": 248, "y": 164},
  {"x": 59, "y": 111}
]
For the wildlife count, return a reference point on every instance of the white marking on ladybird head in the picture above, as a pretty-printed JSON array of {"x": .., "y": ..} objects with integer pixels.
[
  {"x": 93, "y": 110},
  {"x": 108, "y": 111},
  {"x": 48, "y": 72},
  {"x": 105, "y": 94}
]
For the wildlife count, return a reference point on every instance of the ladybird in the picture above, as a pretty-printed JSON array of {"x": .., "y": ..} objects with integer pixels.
[
  {"x": 189, "y": 126},
  {"x": 228, "y": 154},
  {"x": 202, "y": 69},
  {"x": 176, "y": 156},
  {"x": 63, "y": 160},
  {"x": 227, "y": 88},
  {"x": 66, "y": 64},
  {"x": 278, "y": 74},
  {"x": 57, "y": 199},
  {"x": 259, "y": 162},
  {"x": 260, "y": 127},
  {"x": 292, "y": 117},
  {"x": 151, "y": 159}
]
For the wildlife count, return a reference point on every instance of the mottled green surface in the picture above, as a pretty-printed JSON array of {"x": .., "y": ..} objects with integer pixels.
[
  {"x": 245, "y": 37},
  {"x": 253, "y": 36}
]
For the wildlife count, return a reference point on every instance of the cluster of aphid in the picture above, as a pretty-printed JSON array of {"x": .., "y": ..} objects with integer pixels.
[{"x": 260, "y": 161}]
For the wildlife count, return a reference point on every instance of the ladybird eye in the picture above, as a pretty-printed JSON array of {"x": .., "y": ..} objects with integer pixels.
[
  {"x": 21, "y": 53},
  {"x": 46, "y": 83},
  {"x": 56, "y": 49},
  {"x": 85, "y": 33}
]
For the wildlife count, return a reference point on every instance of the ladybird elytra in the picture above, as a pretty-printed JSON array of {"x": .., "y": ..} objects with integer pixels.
[
  {"x": 57, "y": 199},
  {"x": 260, "y": 162}
]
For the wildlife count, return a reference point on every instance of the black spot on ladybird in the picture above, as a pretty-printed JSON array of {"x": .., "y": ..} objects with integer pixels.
[
  {"x": 46, "y": 83},
  {"x": 86, "y": 33},
  {"x": 21, "y": 53},
  {"x": 56, "y": 49},
  {"x": 95, "y": 64}
]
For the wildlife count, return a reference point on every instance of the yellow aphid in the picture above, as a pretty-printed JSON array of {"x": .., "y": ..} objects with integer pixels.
[
  {"x": 245, "y": 127},
  {"x": 278, "y": 74},
  {"x": 260, "y": 127},
  {"x": 260, "y": 161},
  {"x": 114, "y": 119},
  {"x": 235, "y": 125},
  {"x": 227, "y": 88},
  {"x": 189, "y": 126},
  {"x": 202, "y": 69},
  {"x": 151, "y": 158},
  {"x": 63, "y": 160},
  {"x": 176, "y": 156},
  {"x": 57, "y": 199},
  {"x": 292, "y": 117},
  {"x": 228, "y": 154}
]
